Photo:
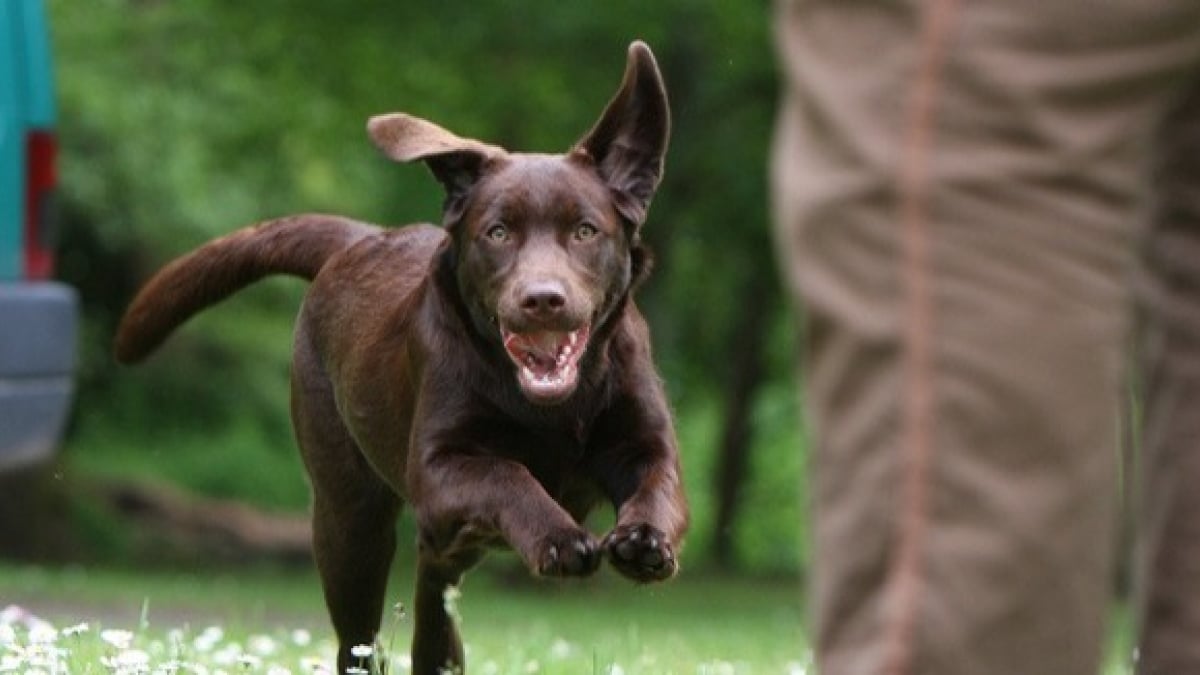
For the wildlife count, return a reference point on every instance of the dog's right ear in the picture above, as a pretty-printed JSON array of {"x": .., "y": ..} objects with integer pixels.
[{"x": 455, "y": 161}]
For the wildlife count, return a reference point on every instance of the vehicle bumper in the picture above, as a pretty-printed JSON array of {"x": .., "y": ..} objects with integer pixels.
[{"x": 38, "y": 328}]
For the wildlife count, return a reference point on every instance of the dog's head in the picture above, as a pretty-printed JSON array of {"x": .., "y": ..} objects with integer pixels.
[{"x": 544, "y": 245}]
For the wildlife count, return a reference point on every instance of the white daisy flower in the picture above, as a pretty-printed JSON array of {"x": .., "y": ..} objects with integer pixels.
[
  {"x": 362, "y": 651},
  {"x": 121, "y": 639}
]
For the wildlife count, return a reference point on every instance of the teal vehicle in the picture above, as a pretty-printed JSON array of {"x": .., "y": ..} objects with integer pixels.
[{"x": 38, "y": 316}]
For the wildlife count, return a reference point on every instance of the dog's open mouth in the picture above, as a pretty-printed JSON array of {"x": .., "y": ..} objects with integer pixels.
[{"x": 547, "y": 361}]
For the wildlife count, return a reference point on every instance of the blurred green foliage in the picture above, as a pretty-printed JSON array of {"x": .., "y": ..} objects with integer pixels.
[{"x": 182, "y": 121}]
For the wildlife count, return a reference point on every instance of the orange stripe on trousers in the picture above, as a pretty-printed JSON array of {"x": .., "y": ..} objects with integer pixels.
[{"x": 917, "y": 412}]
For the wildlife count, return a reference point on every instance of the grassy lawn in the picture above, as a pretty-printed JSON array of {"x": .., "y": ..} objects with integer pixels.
[
  {"x": 274, "y": 622},
  {"x": 259, "y": 621}
]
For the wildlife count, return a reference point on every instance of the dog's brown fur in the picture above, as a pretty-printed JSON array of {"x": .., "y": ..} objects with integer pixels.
[{"x": 408, "y": 381}]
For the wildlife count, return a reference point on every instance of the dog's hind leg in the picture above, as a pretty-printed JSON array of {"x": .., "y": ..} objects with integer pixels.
[
  {"x": 354, "y": 511},
  {"x": 353, "y": 543}
]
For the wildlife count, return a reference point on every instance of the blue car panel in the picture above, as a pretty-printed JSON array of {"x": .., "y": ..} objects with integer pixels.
[{"x": 38, "y": 318}]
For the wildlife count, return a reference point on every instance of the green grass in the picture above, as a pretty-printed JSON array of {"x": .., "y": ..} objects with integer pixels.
[
  {"x": 253, "y": 621},
  {"x": 694, "y": 625}
]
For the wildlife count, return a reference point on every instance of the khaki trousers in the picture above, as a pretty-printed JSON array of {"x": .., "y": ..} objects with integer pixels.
[{"x": 974, "y": 200}]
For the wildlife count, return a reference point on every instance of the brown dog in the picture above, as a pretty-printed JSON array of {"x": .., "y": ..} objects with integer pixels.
[{"x": 494, "y": 374}]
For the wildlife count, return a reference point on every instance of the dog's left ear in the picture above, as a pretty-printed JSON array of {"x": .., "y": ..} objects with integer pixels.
[
  {"x": 455, "y": 161},
  {"x": 629, "y": 141}
]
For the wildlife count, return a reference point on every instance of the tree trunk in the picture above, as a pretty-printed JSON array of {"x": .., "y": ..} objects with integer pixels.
[{"x": 747, "y": 372}]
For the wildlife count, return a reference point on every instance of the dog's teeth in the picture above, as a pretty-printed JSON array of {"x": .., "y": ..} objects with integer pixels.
[
  {"x": 550, "y": 379},
  {"x": 527, "y": 373}
]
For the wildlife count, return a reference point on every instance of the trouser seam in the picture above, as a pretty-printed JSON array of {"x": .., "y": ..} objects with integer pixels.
[{"x": 917, "y": 403}]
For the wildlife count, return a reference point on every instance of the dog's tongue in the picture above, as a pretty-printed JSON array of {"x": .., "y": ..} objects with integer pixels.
[{"x": 539, "y": 350}]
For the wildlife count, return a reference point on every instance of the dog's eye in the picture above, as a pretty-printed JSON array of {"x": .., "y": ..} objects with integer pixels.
[
  {"x": 497, "y": 233},
  {"x": 585, "y": 231}
]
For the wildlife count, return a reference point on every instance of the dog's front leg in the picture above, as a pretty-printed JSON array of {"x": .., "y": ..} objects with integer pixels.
[
  {"x": 462, "y": 504},
  {"x": 463, "y": 498},
  {"x": 437, "y": 646},
  {"x": 644, "y": 543},
  {"x": 636, "y": 461}
]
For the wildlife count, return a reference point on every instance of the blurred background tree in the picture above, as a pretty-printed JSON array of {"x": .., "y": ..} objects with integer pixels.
[{"x": 182, "y": 121}]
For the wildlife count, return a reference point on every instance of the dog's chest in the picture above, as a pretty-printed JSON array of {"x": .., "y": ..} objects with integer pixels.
[{"x": 556, "y": 457}]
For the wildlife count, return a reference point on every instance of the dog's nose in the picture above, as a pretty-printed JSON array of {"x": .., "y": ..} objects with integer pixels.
[{"x": 543, "y": 299}]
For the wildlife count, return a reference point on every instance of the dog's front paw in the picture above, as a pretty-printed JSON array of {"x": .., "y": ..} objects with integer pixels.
[
  {"x": 640, "y": 552},
  {"x": 571, "y": 553}
]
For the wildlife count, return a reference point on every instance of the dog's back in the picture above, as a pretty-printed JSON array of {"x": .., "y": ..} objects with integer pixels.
[{"x": 358, "y": 335}]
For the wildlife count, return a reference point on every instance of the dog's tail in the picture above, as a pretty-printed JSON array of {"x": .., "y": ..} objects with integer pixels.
[{"x": 296, "y": 245}]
